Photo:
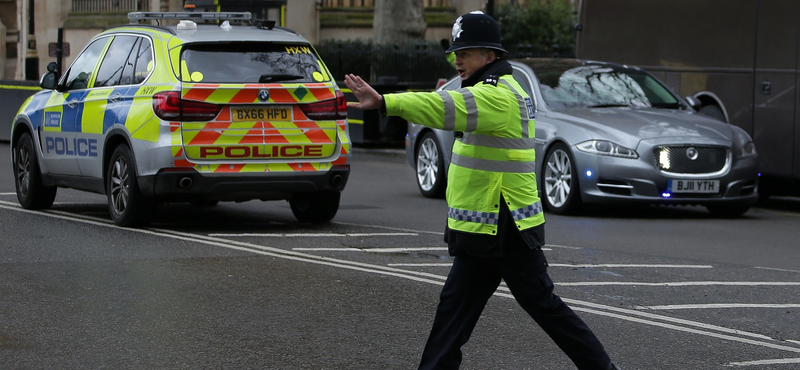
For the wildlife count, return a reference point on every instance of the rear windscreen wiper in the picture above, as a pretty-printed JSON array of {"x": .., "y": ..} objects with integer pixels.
[{"x": 274, "y": 78}]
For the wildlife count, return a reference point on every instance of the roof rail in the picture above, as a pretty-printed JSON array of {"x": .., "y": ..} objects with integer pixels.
[{"x": 135, "y": 17}]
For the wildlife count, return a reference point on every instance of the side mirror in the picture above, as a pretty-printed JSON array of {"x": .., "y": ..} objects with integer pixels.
[
  {"x": 693, "y": 102},
  {"x": 50, "y": 79}
]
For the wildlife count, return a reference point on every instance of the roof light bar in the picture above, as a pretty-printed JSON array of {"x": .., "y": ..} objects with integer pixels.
[{"x": 135, "y": 17}]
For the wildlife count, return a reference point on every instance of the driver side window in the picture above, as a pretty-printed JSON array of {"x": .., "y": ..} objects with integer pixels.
[{"x": 80, "y": 73}]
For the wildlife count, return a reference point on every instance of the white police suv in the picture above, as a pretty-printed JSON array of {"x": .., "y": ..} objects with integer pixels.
[{"x": 219, "y": 107}]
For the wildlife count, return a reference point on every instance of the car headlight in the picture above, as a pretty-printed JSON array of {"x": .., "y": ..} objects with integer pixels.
[
  {"x": 742, "y": 146},
  {"x": 604, "y": 147},
  {"x": 747, "y": 150}
]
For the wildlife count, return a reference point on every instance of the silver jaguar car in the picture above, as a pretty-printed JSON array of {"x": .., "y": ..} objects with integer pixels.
[{"x": 609, "y": 133}]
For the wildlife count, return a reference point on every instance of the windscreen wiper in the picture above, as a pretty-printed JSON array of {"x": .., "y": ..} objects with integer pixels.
[
  {"x": 609, "y": 105},
  {"x": 668, "y": 105}
]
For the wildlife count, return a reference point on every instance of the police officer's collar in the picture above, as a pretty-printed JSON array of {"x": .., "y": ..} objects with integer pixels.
[{"x": 489, "y": 73}]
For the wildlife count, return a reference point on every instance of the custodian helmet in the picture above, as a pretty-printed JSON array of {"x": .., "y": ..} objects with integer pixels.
[{"x": 476, "y": 30}]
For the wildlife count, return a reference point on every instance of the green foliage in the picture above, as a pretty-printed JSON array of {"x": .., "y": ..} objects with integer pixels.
[{"x": 537, "y": 24}]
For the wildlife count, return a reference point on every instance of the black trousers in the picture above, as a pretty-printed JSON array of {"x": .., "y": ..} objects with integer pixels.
[{"x": 470, "y": 284}]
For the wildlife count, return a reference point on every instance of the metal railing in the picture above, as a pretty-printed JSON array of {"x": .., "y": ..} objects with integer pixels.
[
  {"x": 110, "y": 6},
  {"x": 371, "y": 3},
  {"x": 415, "y": 65}
]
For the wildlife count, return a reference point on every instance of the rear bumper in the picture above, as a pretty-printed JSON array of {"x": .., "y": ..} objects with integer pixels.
[{"x": 187, "y": 185}]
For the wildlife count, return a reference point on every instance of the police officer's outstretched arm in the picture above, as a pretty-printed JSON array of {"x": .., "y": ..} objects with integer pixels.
[{"x": 367, "y": 97}]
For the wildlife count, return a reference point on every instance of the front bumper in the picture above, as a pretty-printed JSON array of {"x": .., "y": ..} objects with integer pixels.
[{"x": 619, "y": 180}]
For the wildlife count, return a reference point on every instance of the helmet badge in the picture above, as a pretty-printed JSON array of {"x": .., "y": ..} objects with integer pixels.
[{"x": 457, "y": 28}]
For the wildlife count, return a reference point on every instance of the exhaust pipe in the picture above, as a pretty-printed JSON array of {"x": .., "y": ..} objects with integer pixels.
[
  {"x": 336, "y": 180},
  {"x": 185, "y": 182}
]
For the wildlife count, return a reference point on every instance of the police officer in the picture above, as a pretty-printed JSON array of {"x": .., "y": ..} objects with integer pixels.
[{"x": 495, "y": 224}]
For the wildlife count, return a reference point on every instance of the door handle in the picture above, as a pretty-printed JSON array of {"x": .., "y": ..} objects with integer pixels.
[
  {"x": 115, "y": 98},
  {"x": 72, "y": 103}
]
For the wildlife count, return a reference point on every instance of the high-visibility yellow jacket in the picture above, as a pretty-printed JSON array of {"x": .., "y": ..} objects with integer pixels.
[{"x": 494, "y": 157}]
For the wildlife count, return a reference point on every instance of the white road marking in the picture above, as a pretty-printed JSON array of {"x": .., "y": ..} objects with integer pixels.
[
  {"x": 618, "y": 265},
  {"x": 776, "y": 269},
  {"x": 370, "y": 250},
  {"x": 578, "y": 307},
  {"x": 717, "y": 305},
  {"x": 612, "y": 265},
  {"x": 563, "y": 246},
  {"x": 583, "y": 306},
  {"x": 684, "y": 283},
  {"x": 653, "y": 316},
  {"x": 8, "y": 193},
  {"x": 779, "y": 361},
  {"x": 390, "y": 228},
  {"x": 311, "y": 235}
]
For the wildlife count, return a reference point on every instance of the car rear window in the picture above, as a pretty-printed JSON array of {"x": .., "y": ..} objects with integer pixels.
[{"x": 251, "y": 63}]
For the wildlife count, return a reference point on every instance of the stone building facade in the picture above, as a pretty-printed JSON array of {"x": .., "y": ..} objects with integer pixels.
[{"x": 29, "y": 29}]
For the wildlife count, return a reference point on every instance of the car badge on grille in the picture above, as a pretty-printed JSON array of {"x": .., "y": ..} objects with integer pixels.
[
  {"x": 263, "y": 95},
  {"x": 692, "y": 153}
]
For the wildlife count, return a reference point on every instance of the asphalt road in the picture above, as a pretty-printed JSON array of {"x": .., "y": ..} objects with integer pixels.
[{"x": 245, "y": 286}]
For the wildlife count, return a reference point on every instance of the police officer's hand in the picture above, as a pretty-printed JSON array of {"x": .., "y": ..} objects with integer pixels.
[{"x": 367, "y": 97}]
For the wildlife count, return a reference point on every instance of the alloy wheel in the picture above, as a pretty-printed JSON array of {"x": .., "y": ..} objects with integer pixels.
[
  {"x": 427, "y": 164},
  {"x": 120, "y": 186},
  {"x": 558, "y": 178},
  {"x": 23, "y": 163}
]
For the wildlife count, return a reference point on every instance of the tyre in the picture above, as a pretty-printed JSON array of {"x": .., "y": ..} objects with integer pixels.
[
  {"x": 727, "y": 210},
  {"x": 713, "y": 111},
  {"x": 127, "y": 205},
  {"x": 31, "y": 191},
  {"x": 431, "y": 178},
  {"x": 204, "y": 203},
  {"x": 315, "y": 207},
  {"x": 560, "y": 181}
]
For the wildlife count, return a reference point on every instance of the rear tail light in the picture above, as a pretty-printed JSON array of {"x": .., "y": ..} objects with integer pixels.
[
  {"x": 327, "y": 109},
  {"x": 169, "y": 106}
]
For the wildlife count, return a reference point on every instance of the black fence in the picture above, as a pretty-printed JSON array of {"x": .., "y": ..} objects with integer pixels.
[{"x": 411, "y": 65}]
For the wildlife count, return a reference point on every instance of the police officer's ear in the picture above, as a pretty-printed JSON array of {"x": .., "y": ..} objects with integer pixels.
[{"x": 491, "y": 56}]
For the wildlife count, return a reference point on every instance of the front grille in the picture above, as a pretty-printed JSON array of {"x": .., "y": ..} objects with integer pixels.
[{"x": 690, "y": 159}]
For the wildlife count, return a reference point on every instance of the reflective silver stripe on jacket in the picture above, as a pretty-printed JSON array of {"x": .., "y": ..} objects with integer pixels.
[
  {"x": 493, "y": 166},
  {"x": 486, "y": 218},
  {"x": 529, "y": 211},
  {"x": 450, "y": 110},
  {"x": 472, "y": 110},
  {"x": 523, "y": 109},
  {"x": 499, "y": 142}
]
